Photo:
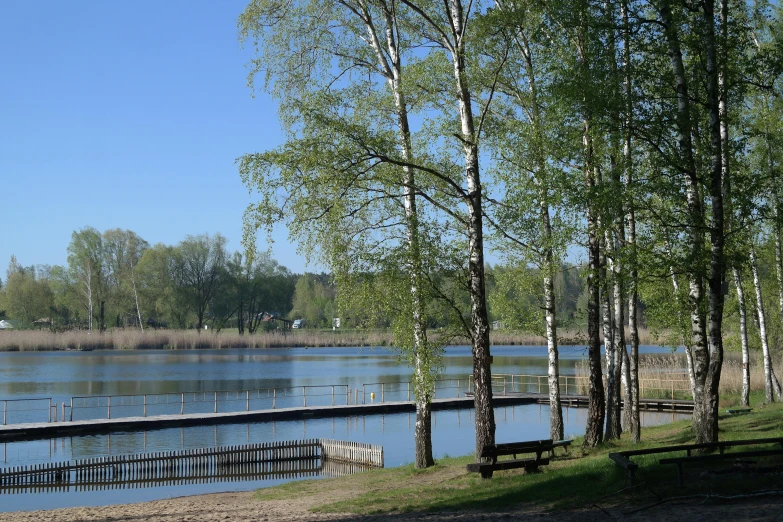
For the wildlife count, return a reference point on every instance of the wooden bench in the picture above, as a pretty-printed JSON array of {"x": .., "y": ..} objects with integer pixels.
[
  {"x": 738, "y": 411},
  {"x": 679, "y": 461},
  {"x": 623, "y": 460},
  {"x": 537, "y": 447}
]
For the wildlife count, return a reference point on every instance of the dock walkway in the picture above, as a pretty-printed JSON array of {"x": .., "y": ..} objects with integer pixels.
[{"x": 45, "y": 430}]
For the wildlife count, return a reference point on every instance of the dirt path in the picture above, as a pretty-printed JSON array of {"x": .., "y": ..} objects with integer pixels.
[{"x": 243, "y": 506}]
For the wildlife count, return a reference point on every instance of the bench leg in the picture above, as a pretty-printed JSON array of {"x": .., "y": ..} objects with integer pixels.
[
  {"x": 679, "y": 474},
  {"x": 486, "y": 474}
]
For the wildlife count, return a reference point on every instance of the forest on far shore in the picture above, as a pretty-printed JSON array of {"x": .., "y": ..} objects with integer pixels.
[{"x": 198, "y": 283}]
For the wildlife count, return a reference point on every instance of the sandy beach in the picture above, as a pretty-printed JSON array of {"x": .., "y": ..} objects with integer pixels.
[{"x": 222, "y": 507}]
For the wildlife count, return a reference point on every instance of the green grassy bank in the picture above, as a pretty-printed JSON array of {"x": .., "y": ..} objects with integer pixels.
[{"x": 582, "y": 478}]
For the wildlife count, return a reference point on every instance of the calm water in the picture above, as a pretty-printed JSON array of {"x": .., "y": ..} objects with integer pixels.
[{"x": 63, "y": 375}]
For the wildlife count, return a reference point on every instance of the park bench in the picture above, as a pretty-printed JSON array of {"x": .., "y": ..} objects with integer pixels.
[
  {"x": 623, "y": 460},
  {"x": 738, "y": 411},
  {"x": 537, "y": 447}
]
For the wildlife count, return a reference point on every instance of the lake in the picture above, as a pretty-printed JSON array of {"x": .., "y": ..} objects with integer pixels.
[{"x": 61, "y": 375}]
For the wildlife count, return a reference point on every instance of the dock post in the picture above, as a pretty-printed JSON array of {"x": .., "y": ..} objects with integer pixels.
[
  {"x": 274, "y": 398},
  {"x": 382, "y": 394},
  {"x": 70, "y": 413},
  {"x": 182, "y": 405},
  {"x": 409, "y": 390},
  {"x": 304, "y": 396},
  {"x": 62, "y": 417},
  {"x": 332, "y": 395},
  {"x": 145, "y": 404},
  {"x": 215, "y": 402},
  {"x": 364, "y": 395},
  {"x": 50, "y": 410},
  {"x": 247, "y": 400},
  {"x": 108, "y": 409},
  {"x": 457, "y": 387},
  {"x": 5, "y": 412}
]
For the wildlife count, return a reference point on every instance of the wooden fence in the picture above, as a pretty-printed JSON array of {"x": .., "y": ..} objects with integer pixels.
[{"x": 268, "y": 460}]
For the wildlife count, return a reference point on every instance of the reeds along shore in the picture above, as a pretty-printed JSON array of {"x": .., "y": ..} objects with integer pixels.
[
  {"x": 127, "y": 339},
  {"x": 663, "y": 375}
]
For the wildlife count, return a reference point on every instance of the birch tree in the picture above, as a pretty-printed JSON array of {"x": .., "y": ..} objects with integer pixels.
[{"x": 353, "y": 201}]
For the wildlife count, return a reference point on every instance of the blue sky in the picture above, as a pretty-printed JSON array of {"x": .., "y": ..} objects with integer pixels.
[{"x": 125, "y": 114}]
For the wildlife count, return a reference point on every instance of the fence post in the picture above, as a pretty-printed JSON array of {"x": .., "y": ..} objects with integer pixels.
[
  {"x": 145, "y": 404},
  {"x": 108, "y": 409},
  {"x": 247, "y": 400},
  {"x": 182, "y": 405}
]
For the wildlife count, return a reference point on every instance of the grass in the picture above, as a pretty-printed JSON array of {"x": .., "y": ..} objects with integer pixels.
[
  {"x": 132, "y": 339},
  {"x": 581, "y": 479}
]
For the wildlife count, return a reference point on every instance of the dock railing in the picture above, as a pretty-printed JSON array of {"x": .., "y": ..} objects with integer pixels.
[
  {"x": 17, "y": 411},
  {"x": 20, "y": 410},
  {"x": 143, "y": 405}
]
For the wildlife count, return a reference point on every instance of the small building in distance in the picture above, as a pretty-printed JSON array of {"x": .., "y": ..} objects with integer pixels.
[{"x": 5, "y": 325}]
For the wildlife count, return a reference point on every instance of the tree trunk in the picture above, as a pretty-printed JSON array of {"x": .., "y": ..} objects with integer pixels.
[
  {"x": 423, "y": 368},
  {"x": 556, "y": 429},
  {"x": 596, "y": 408},
  {"x": 768, "y": 387},
  {"x": 632, "y": 402},
  {"x": 745, "y": 395},
  {"x": 610, "y": 348},
  {"x": 136, "y": 298},
  {"x": 717, "y": 273},
  {"x": 703, "y": 413},
  {"x": 482, "y": 377}
]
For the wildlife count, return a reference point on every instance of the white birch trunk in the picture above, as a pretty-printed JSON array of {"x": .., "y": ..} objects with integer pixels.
[
  {"x": 688, "y": 352},
  {"x": 392, "y": 70},
  {"x": 631, "y": 373},
  {"x": 556, "y": 429},
  {"x": 745, "y": 394},
  {"x": 136, "y": 298},
  {"x": 768, "y": 387}
]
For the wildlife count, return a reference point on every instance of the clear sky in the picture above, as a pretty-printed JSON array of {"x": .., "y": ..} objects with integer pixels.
[{"x": 125, "y": 114}]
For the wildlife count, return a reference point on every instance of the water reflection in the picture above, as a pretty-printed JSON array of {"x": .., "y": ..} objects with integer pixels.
[{"x": 61, "y": 375}]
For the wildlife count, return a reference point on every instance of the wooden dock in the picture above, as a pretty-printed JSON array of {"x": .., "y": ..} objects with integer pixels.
[
  {"x": 269, "y": 460},
  {"x": 45, "y": 430}
]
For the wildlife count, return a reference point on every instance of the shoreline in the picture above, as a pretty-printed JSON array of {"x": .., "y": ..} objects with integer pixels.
[{"x": 40, "y": 340}]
